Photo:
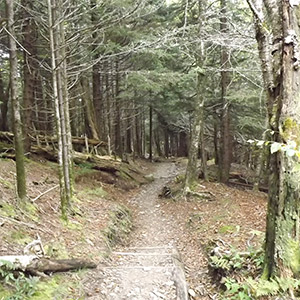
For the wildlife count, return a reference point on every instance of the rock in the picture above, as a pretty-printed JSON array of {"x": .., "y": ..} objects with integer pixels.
[
  {"x": 149, "y": 177},
  {"x": 192, "y": 293}
]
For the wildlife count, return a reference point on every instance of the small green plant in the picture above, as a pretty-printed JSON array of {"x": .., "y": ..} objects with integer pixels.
[
  {"x": 274, "y": 286},
  {"x": 100, "y": 192},
  {"x": 20, "y": 287},
  {"x": 119, "y": 226},
  {"x": 227, "y": 262},
  {"x": 235, "y": 290}
]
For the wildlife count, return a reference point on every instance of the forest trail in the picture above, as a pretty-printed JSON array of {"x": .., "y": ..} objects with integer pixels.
[{"x": 149, "y": 268}]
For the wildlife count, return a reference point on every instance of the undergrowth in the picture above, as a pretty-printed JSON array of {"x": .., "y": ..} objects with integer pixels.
[
  {"x": 119, "y": 226},
  {"x": 238, "y": 274},
  {"x": 15, "y": 285}
]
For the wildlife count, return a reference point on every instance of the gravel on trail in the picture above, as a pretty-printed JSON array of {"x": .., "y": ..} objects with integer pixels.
[{"x": 149, "y": 268}]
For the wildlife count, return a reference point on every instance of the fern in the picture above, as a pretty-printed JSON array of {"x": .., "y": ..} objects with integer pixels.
[{"x": 220, "y": 263}]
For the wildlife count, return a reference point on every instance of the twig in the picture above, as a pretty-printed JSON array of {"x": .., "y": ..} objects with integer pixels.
[
  {"x": 18, "y": 222},
  {"x": 44, "y": 193},
  {"x": 35, "y": 247},
  {"x": 7, "y": 31}
]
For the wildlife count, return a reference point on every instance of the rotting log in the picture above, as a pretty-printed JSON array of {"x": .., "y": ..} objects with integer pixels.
[
  {"x": 247, "y": 186},
  {"x": 35, "y": 265}
]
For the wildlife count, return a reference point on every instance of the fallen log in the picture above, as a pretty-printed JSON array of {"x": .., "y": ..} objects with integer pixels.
[
  {"x": 35, "y": 265},
  {"x": 248, "y": 186},
  {"x": 43, "y": 139}
]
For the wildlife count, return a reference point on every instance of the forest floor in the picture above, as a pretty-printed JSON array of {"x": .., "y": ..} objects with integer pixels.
[{"x": 137, "y": 263}]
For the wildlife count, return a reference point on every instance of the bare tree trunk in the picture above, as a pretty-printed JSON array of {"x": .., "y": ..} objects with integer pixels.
[
  {"x": 89, "y": 109},
  {"x": 4, "y": 96},
  {"x": 29, "y": 69},
  {"x": 203, "y": 151},
  {"x": 17, "y": 123},
  {"x": 226, "y": 139},
  {"x": 191, "y": 174},
  {"x": 216, "y": 139},
  {"x": 119, "y": 149},
  {"x": 166, "y": 143},
  {"x": 60, "y": 92},
  {"x": 157, "y": 141},
  {"x": 150, "y": 131},
  {"x": 182, "y": 149},
  {"x": 97, "y": 78}
]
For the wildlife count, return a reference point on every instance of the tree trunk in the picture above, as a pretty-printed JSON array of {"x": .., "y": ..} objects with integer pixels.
[
  {"x": 203, "y": 151},
  {"x": 61, "y": 101},
  {"x": 4, "y": 96},
  {"x": 29, "y": 69},
  {"x": 17, "y": 123},
  {"x": 216, "y": 139},
  {"x": 182, "y": 148},
  {"x": 119, "y": 149},
  {"x": 226, "y": 143},
  {"x": 167, "y": 143},
  {"x": 157, "y": 141},
  {"x": 89, "y": 109},
  {"x": 282, "y": 83},
  {"x": 97, "y": 78},
  {"x": 150, "y": 132},
  {"x": 191, "y": 174}
]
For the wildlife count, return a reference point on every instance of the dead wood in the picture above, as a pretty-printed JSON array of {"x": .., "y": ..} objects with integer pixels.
[
  {"x": 179, "y": 277},
  {"x": 248, "y": 186},
  {"x": 206, "y": 195},
  {"x": 34, "y": 265},
  {"x": 45, "y": 140}
]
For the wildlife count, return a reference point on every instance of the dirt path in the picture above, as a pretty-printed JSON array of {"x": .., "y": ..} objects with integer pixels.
[{"x": 149, "y": 268}]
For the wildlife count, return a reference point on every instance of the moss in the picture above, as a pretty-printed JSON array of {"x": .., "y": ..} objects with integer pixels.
[
  {"x": 58, "y": 287},
  {"x": 99, "y": 192},
  {"x": 73, "y": 225},
  {"x": 56, "y": 250},
  {"x": 20, "y": 237},
  {"x": 7, "y": 210},
  {"x": 119, "y": 226},
  {"x": 29, "y": 209},
  {"x": 290, "y": 131},
  {"x": 227, "y": 229},
  {"x": 179, "y": 178},
  {"x": 292, "y": 255},
  {"x": 6, "y": 184},
  {"x": 4, "y": 293}
]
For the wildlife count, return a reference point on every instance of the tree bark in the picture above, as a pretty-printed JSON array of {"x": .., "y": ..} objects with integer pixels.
[
  {"x": 17, "y": 123},
  {"x": 61, "y": 102},
  {"x": 150, "y": 132},
  {"x": 191, "y": 174},
  {"x": 226, "y": 143},
  {"x": 89, "y": 109},
  {"x": 282, "y": 83},
  {"x": 29, "y": 69},
  {"x": 4, "y": 97}
]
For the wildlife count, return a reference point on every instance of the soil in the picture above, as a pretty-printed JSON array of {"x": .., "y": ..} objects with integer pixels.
[{"x": 145, "y": 266}]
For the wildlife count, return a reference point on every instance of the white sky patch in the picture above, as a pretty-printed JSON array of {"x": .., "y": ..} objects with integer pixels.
[{"x": 171, "y": 1}]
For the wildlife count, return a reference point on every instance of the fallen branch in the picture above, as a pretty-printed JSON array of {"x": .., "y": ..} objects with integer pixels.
[
  {"x": 44, "y": 193},
  {"x": 32, "y": 226}
]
